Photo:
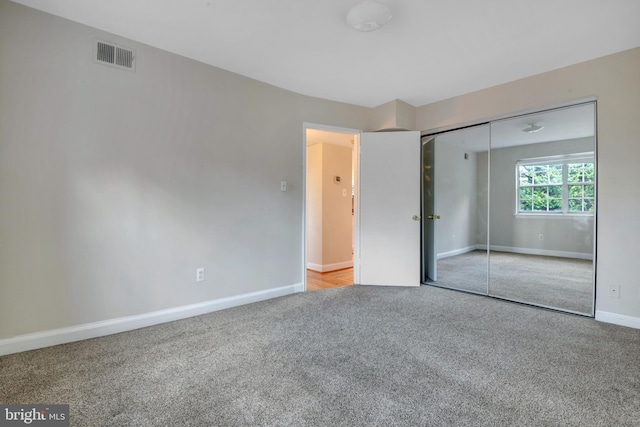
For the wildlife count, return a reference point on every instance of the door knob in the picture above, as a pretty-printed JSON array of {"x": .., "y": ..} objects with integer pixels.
[{"x": 415, "y": 218}]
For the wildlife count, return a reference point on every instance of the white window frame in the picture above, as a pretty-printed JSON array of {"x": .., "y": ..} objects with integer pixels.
[{"x": 564, "y": 160}]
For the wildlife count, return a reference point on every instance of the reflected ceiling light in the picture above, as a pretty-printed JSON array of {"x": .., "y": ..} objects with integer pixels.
[
  {"x": 368, "y": 16},
  {"x": 532, "y": 128}
]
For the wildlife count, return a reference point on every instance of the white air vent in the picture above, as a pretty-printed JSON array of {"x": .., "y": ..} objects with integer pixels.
[{"x": 111, "y": 54}]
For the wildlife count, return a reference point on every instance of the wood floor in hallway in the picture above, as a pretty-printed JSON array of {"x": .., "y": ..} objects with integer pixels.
[{"x": 331, "y": 279}]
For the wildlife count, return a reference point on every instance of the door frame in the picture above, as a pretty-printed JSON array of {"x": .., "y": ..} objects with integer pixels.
[{"x": 356, "y": 194}]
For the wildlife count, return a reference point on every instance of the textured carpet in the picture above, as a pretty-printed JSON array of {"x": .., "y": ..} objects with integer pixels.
[
  {"x": 563, "y": 283},
  {"x": 467, "y": 272},
  {"x": 354, "y": 356}
]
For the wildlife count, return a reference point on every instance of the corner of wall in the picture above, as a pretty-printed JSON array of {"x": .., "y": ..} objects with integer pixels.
[
  {"x": 393, "y": 115},
  {"x": 405, "y": 115},
  {"x": 383, "y": 116}
]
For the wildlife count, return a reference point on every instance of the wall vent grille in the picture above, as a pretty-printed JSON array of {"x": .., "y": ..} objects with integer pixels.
[{"x": 114, "y": 55}]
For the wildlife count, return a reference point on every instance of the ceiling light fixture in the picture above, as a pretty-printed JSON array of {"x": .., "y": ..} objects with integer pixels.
[
  {"x": 532, "y": 128},
  {"x": 368, "y": 16}
]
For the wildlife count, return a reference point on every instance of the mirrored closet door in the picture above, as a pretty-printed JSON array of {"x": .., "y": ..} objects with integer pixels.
[
  {"x": 542, "y": 208},
  {"x": 455, "y": 210},
  {"x": 509, "y": 209}
]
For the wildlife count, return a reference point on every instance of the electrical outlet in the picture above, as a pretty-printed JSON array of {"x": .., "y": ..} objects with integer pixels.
[
  {"x": 199, "y": 274},
  {"x": 283, "y": 185},
  {"x": 614, "y": 291},
  {"x": 540, "y": 237}
]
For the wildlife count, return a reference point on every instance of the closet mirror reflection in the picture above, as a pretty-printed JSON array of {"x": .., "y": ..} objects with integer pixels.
[
  {"x": 542, "y": 208},
  {"x": 455, "y": 209},
  {"x": 509, "y": 209}
]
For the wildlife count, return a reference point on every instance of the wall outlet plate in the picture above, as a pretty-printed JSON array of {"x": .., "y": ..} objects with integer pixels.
[{"x": 614, "y": 291}]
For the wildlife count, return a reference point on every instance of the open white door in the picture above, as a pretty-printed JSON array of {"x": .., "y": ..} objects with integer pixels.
[{"x": 390, "y": 232}]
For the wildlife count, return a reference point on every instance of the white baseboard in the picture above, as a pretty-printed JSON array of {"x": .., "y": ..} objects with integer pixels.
[
  {"x": 129, "y": 323},
  {"x": 544, "y": 252},
  {"x": 314, "y": 267},
  {"x": 323, "y": 268},
  {"x": 456, "y": 252},
  {"x": 618, "y": 319}
]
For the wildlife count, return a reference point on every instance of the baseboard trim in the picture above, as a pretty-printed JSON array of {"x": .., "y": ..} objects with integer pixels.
[
  {"x": 618, "y": 319},
  {"x": 456, "y": 252},
  {"x": 314, "y": 267},
  {"x": 543, "y": 252},
  {"x": 323, "y": 268},
  {"x": 123, "y": 324}
]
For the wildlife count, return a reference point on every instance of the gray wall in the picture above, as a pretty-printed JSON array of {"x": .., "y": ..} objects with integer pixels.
[
  {"x": 456, "y": 198},
  {"x": 329, "y": 219},
  {"x": 568, "y": 234},
  {"x": 115, "y": 186},
  {"x": 613, "y": 80}
]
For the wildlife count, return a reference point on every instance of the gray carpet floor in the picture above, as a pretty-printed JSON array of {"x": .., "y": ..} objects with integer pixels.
[
  {"x": 354, "y": 356},
  {"x": 562, "y": 283},
  {"x": 466, "y": 272}
]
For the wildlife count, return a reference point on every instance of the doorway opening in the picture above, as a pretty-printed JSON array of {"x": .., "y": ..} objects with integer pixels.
[{"x": 330, "y": 214}]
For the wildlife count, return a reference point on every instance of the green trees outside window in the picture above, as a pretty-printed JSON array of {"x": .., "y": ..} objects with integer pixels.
[
  {"x": 580, "y": 183},
  {"x": 563, "y": 186}
]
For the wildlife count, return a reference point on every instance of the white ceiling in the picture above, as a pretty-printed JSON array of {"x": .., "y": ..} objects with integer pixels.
[{"x": 431, "y": 50}]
